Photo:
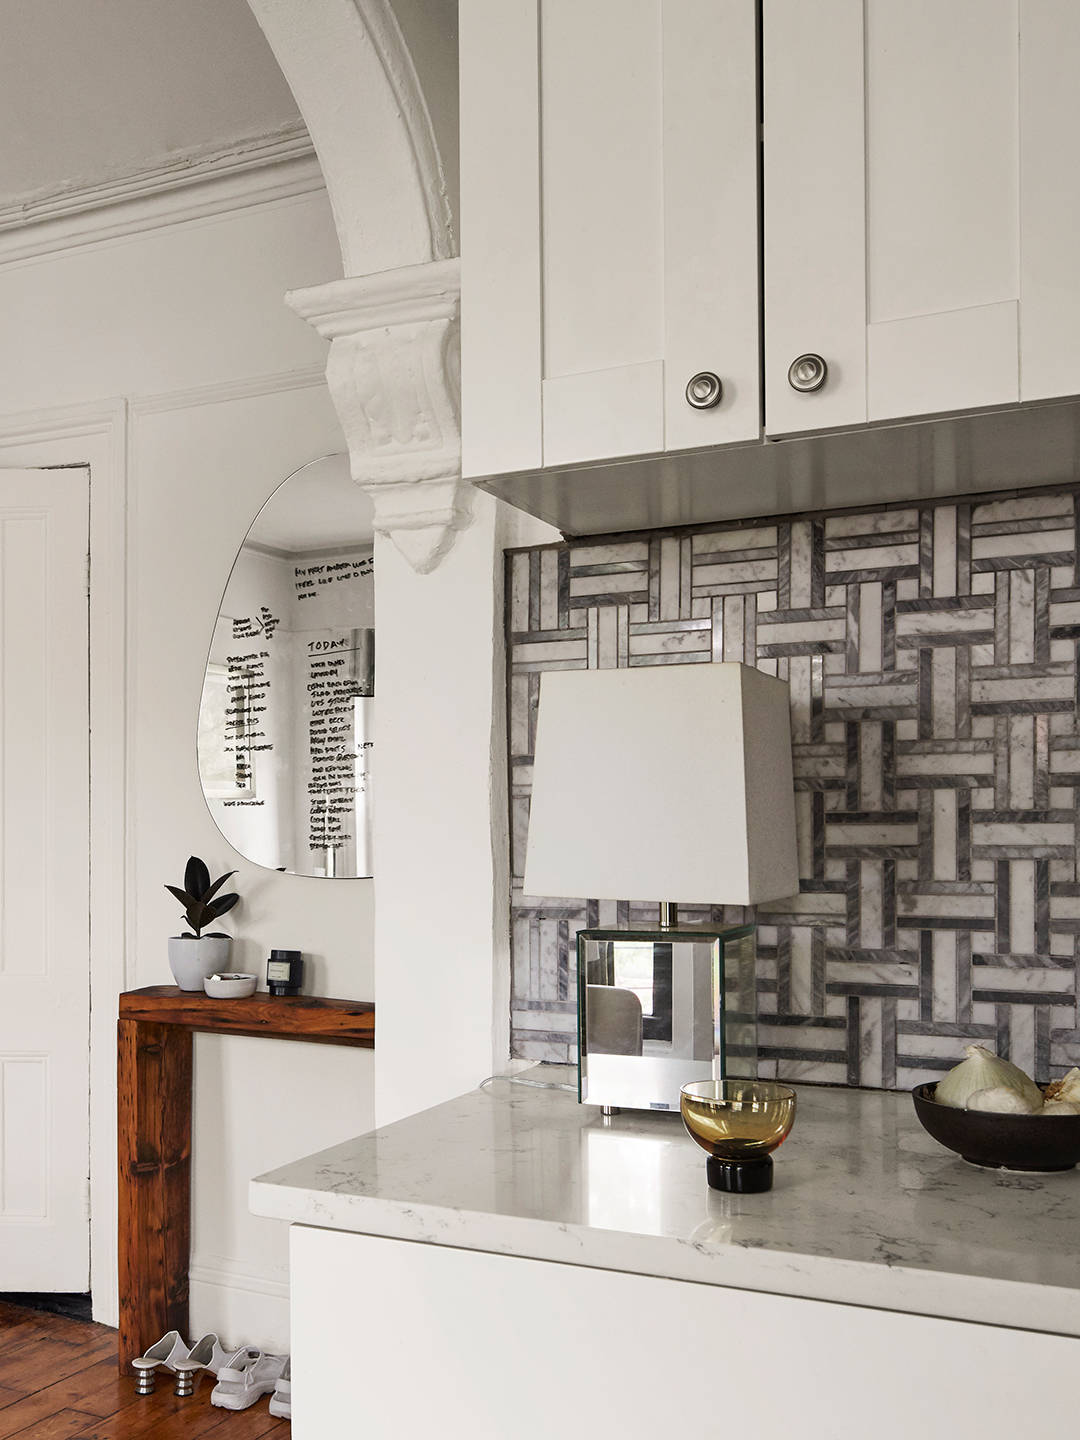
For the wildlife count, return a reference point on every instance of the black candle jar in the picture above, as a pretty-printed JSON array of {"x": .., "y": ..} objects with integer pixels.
[{"x": 285, "y": 972}]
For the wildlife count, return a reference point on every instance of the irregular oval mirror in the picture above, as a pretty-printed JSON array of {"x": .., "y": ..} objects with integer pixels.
[{"x": 285, "y": 725}]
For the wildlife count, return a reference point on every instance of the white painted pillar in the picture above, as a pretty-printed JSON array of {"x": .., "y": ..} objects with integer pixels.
[
  {"x": 441, "y": 873},
  {"x": 442, "y": 885},
  {"x": 442, "y": 859}
]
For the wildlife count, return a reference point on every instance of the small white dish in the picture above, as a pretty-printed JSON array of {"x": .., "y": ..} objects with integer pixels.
[{"x": 230, "y": 986}]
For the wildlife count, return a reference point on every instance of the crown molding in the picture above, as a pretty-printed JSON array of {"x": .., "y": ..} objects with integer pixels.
[
  {"x": 193, "y": 185},
  {"x": 394, "y": 375},
  {"x": 221, "y": 391}
]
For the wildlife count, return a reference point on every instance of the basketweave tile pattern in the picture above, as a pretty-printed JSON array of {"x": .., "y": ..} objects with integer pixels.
[{"x": 932, "y": 659}]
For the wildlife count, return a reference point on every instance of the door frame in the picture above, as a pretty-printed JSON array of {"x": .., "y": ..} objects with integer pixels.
[{"x": 95, "y": 435}]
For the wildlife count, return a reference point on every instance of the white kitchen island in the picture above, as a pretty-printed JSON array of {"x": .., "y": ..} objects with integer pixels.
[{"x": 511, "y": 1266}]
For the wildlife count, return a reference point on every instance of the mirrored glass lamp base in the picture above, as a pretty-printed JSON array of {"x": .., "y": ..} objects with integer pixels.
[{"x": 660, "y": 1008}]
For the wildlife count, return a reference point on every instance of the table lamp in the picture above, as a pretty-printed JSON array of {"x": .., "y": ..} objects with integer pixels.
[{"x": 668, "y": 781}]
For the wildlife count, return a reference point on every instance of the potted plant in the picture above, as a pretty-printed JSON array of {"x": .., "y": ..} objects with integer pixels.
[{"x": 193, "y": 956}]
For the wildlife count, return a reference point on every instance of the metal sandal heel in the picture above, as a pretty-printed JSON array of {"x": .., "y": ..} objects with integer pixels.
[
  {"x": 165, "y": 1352},
  {"x": 206, "y": 1354}
]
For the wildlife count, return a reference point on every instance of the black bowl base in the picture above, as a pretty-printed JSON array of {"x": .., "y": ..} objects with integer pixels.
[{"x": 740, "y": 1177}]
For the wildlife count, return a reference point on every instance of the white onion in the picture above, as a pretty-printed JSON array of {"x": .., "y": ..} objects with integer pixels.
[
  {"x": 984, "y": 1071},
  {"x": 1070, "y": 1087},
  {"x": 1060, "y": 1107},
  {"x": 1000, "y": 1101}
]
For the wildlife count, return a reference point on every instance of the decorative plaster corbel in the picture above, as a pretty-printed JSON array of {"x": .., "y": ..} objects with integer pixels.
[{"x": 394, "y": 374}]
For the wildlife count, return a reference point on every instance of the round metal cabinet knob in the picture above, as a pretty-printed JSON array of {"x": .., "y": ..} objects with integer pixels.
[
  {"x": 704, "y": 390},
  {"x": 807, "y": 373}
]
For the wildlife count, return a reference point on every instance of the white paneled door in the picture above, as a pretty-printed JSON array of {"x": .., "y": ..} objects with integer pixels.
[{"x": 44, "y": 880}]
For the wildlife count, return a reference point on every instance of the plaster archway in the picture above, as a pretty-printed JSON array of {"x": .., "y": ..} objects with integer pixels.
[
  {"x": 353, "y": 77},
  {"x": 393, "y": 322}
]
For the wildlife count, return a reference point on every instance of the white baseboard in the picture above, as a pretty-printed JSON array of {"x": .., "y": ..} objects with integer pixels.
[
  {"x": 235, "y": 1275},
  {"x": 242, "y": 1304}
]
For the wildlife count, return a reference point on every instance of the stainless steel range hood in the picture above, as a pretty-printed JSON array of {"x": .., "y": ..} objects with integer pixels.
[{"x": 988, "y": 450}]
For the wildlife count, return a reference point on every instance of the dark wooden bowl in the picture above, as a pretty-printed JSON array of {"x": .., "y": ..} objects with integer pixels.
[{"x": 1004, "y": 1142}]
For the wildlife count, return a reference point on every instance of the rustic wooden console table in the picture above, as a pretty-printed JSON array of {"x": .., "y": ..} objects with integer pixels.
[{"x": 154, "y": 1050}]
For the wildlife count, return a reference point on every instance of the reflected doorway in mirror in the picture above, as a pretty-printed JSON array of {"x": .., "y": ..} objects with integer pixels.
[{"x": 224, "y": 764}]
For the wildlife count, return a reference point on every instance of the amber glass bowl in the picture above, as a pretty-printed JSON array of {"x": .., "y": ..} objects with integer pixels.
[{"x": 738, "y": 1123}]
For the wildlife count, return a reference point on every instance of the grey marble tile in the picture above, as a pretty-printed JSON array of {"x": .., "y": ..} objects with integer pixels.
[{"x": 974, "y": 735}]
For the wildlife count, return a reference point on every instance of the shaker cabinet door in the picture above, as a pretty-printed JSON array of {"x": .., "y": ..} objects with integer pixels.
[
  {"x": 501, "y": 340},
  {"x": 891, "y": 207},
  {"x": 609, "y": 228},
  {"x": 922, "y": 201},
  {"x": 815, "y": 209},
  {"x": 1050, "y": 198},
  {"x": 712, "y": 281}
]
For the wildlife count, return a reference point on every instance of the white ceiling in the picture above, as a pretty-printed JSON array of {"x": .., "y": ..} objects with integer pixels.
[
  {"x": 319, "y": 507},
  {"x": 91, "y": 89}
]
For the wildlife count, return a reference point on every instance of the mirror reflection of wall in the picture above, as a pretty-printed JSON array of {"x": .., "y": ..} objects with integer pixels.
[{"x": 286, "y": 722}]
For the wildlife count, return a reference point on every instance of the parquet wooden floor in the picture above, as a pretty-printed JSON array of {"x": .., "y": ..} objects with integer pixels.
[{"x": 59, "y": 1381}]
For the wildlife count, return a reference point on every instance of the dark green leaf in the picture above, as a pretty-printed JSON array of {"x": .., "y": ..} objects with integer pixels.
[
  {"x": 216, "y": 886},
  {"x": 182, "y": 895},
  {"x": 196, "y": 877},
  {"x": 221, "y": 905}
]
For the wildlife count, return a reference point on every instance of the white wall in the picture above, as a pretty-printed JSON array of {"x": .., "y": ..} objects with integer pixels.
[
  {"x": 169, "y": 360},
  {"x": 245, "y": 1090},
  {"x": 89, "y": 88}
]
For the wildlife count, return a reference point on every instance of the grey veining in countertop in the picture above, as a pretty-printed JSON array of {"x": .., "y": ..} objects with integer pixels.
[{"x": 866, "y": 1208}]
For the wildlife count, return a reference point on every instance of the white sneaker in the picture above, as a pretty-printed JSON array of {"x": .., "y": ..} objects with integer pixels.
[
  {"x": 281, "y": 1400},
  {"x": 246, "y": 1375}
]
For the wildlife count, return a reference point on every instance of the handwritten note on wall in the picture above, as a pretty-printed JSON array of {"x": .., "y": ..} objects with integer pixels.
[
  {"x": 249, "y": 689},
  {"x": 332, "y": 688},
  {"x": 310, "y": 579}
]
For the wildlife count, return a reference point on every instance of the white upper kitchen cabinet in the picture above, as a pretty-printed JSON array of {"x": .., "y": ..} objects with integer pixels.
[
  {"x": 922, "y": 206},
  {"x": 609, "y": 228}
]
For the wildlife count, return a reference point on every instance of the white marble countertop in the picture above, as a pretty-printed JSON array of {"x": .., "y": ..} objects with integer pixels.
[{"x": 865, "y": 1209}]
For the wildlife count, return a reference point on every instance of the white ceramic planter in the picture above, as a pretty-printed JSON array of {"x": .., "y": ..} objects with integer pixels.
[{"x": 191, "y": 960}]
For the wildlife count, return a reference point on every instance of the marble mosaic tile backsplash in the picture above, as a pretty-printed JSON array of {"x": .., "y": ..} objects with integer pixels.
[{"x": 931, "y": 653}]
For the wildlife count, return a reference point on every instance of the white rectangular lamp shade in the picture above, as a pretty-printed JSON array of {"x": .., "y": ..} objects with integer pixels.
[{"x": 663, "y": 783}]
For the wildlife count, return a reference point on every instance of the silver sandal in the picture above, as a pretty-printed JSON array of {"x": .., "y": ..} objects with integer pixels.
[
  {"x": 164, "y": 1352},
  {"x": 171, "y": 1353},
  {"x": 206, "y": 1354}
]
